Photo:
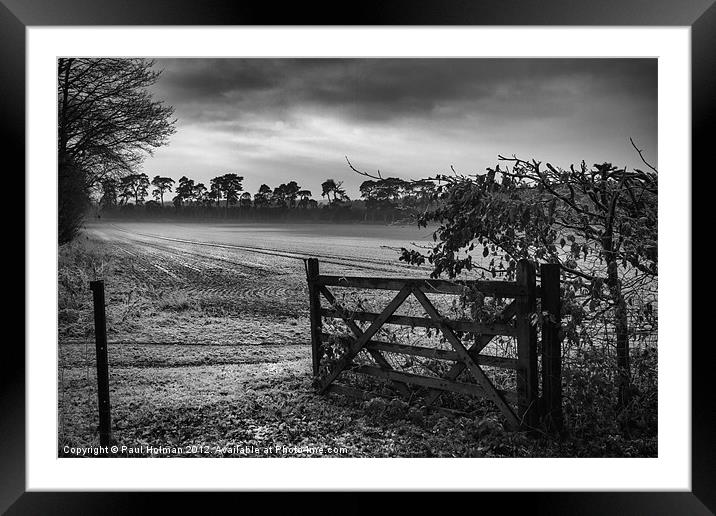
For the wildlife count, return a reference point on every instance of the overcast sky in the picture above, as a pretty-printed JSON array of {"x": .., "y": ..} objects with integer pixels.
[{"x": 277, "y": 120}]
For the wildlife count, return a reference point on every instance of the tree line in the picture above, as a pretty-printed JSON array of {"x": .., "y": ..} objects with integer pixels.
[{"x": 381, "y": 200}]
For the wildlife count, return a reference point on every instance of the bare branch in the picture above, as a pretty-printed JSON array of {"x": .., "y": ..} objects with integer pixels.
[
  {"x": 641, "y": 155},
  {"x": 360, "y": 172}
]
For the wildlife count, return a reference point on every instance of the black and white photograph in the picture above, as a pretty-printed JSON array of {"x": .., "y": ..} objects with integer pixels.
[{"x": 357, "y": 257}]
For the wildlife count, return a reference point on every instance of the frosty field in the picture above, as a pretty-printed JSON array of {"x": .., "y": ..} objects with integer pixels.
[
  {"x": 209, "y": 349},
  {"x": 209, "y": 340}
]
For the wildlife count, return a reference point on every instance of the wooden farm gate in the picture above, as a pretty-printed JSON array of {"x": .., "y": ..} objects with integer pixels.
[{"x": 523, "y": 408}]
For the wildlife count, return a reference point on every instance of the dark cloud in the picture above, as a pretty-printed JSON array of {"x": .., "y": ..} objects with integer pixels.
[
  {"x": 275, "y": 120},
  {"x": 382, "y": 89}
]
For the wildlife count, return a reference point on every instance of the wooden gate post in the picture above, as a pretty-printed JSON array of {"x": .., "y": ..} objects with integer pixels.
[
  {"x": 100, "y": 333},
  {"x": 314, "y": 298},
  {"x": 551, "y": 347},
  {"x": 527, "y": 409}
]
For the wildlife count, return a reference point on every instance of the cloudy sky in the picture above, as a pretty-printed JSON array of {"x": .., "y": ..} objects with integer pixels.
[{"x": 277, "y": 120}]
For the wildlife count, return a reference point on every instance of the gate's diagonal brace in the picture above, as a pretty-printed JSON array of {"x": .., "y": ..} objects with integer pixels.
[
  {"x": 367, "y": 335},
  {"x": 477, "y": 373},
  {"x": 358, "y": 332},
  {"x": 480, "y": 342}
]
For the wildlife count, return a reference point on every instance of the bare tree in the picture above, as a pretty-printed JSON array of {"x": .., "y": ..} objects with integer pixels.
[{"x": 107, "y": 123}]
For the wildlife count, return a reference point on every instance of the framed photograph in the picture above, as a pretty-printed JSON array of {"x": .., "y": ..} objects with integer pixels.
[{"x": 425, "y": 245}]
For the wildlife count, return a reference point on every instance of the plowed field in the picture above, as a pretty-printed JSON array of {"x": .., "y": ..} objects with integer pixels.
[{"x": 209, "y": 343}]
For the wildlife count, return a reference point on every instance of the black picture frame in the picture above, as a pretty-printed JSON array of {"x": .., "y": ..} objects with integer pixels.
[{"x": 700, "y": 15}]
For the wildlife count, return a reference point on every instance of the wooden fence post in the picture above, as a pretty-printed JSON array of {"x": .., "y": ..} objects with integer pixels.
[
  {"x": 551, "y": 347},
  {"x": 312, "y": 272},
  {"x": 100, "y": 332},
  {"x": 527, "y": 346}
]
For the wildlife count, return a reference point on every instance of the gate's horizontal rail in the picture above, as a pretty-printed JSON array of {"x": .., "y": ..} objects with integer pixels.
[
  {"x": 435, "y": 353},
  {"x": 430, "y": 382},
  {"x": 424, "y": 322},
  {"x": 417, "y": 351},
  {"x": 441, "y": 354},
  {"x": 490, "y": 288}
]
